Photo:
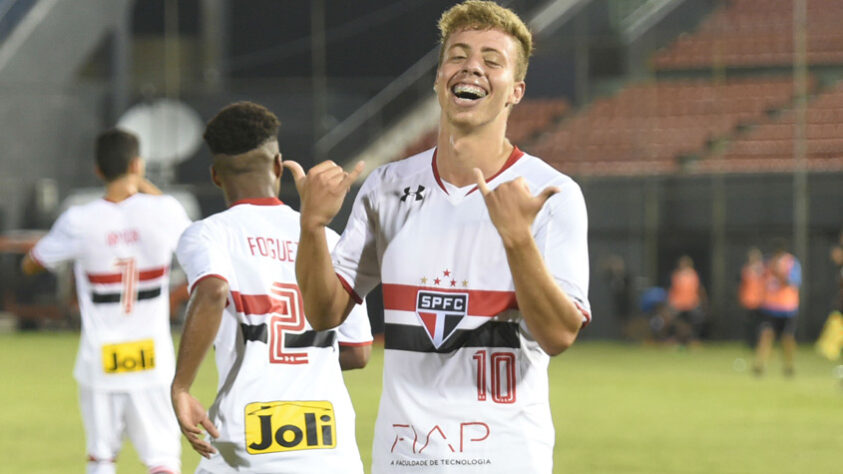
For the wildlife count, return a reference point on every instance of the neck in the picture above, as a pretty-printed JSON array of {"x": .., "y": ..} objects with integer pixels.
[
  {"x": 121, "y": 188},
  {"x": 459, "y": 151},
  {"x": 238, "y": 191}
]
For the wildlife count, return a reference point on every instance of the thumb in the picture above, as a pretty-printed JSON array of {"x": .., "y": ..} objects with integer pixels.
[
  {"x": 295, "y": 169},
  {"x": 546, "y": 193}
]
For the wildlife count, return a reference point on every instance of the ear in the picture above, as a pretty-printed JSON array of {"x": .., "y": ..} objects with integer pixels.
[
  {"x": 277, "y": 166},
  {"x": 517, "y": 93},
  {"x": 98, "y": 173},
  {"x": 136, "y": 166},
  {"x": 215, "y": 177}
]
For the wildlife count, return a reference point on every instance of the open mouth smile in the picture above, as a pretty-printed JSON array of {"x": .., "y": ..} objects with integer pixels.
[{"x": 468, "y": 93}]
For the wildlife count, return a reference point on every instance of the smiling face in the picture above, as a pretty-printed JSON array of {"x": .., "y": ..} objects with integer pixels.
[{"x": 475, "y": 82}]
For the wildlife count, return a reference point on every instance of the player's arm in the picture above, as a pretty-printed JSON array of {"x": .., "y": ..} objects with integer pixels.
[
  {"x": 29, "y": 266},
  {"x": 61, "y": 244},
  {"x": 551, "y": 316},
  {"x": 145, "y": 186},
  {"x": 322, "y": 191},
  {"x": 354, "y": 356},
  {"x": 204, "y": 313}
]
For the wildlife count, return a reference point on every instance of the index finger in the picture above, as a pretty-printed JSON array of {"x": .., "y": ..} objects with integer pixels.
[
  {"x": 295, "y": 169},
  {"x": 210, "y": 428},
  {"x": 202, "y": 447},
  {"x": 481, "y": 182}
]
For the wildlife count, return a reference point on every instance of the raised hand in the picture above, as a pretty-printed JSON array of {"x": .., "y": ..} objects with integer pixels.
[
  {"x": 512, "y": 207},
  {"x": 191, "y": 415},
  {"x": 322, "y": 190}
]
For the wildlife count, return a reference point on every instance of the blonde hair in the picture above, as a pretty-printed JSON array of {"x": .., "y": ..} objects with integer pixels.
[{"x": 487, "y": 15}]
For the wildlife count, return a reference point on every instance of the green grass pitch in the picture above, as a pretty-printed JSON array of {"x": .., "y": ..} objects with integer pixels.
[{"x": 617, "y": 409}]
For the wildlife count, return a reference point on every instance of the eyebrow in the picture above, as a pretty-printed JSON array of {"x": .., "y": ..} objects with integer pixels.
[{"x": 485, "y": 49}]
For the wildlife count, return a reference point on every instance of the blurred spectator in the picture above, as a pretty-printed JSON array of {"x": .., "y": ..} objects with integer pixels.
[
  {"x": 620, "y": 287},
  {"x": 686, "y": 298},
  {"x": 751, "y": 293},
  {"x": 653, "y": 305},
  {"x": 779, "y": 309},
  {"x": 830, "y": 342},
  {"x": 837, "y": 258}
]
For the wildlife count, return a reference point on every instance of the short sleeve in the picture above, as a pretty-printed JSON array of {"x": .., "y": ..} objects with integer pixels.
[
  {"x": 63, "y": 243},
  {"x": 355, "y": 330},
  {"x": 202, "y": 256},
  {"x": 562, "y": 239},
  {"x": 355, "y": 256}
]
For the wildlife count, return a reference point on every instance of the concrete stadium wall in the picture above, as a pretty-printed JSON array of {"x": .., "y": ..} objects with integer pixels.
[{"x": 46, "y": 133}]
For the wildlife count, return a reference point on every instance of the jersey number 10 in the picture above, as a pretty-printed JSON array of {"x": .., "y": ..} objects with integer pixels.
[{"x": 502, "y": 369}]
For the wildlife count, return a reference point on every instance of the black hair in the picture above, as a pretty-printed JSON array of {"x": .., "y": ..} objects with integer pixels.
[
  {"x": 115, "y": 149},
  {"x": 240, "y": 127}
]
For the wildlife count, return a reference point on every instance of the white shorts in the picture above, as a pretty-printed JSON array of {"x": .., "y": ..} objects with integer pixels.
[{"x": 146, "y": 415}]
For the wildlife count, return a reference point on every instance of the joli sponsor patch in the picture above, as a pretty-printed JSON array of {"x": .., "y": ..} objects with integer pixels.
[
  {"x": 132, "y": 356},
  {"x": 273, "y": 427}
]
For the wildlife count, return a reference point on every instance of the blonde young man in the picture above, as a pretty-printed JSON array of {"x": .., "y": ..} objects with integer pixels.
[
  {"x": 481, "y": 250},
  {"x": 122, "y": 246}
]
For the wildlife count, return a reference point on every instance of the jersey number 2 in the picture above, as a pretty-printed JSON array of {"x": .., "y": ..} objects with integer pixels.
[
  {"x": 502, "y": 368},
  {"x": 287, "y": 317}
]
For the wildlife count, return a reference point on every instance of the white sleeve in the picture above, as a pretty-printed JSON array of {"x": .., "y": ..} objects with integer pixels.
[
  {"x": 202, "y": 256},
  {"x": 563, "y": 242},
  {"x": 355, "y": 330},
  {"x": 61, "y": 244},
  {"x": 355, "y": 256}
]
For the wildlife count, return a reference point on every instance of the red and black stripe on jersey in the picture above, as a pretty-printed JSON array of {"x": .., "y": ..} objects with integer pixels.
[
  {"x": 100, "y": 297},
  {"x": 414, "y": 338},
  {"x": 258, "y": 333}
]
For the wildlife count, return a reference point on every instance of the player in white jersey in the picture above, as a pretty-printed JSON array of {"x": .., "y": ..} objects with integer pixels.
[
  {"x": 281, "y": 405},
  {"x": 122, "y": 246},
  {"x": 483, "y": 257}
]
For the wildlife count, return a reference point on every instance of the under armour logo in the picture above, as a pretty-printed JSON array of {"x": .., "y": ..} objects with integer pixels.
[{"x": 417, "y": 193}]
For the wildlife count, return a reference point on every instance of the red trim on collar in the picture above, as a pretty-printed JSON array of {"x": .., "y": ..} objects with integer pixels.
[
  {"x": 264, "y": 201},
  {"x": 436, "y": 172},
  {"x": 513, "y": 157}
]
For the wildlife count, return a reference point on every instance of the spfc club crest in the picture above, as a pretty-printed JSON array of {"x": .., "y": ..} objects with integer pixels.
[{"x": 440, "y": 313}]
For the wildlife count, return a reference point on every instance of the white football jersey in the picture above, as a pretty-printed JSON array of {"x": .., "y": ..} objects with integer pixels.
[
  {"x": 281, "y": 404},
  {"x": 122, "y": 253},
  {"x": 465, "y": 386}
]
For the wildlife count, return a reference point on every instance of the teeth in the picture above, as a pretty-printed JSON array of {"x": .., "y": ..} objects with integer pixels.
[{"x": 468, "y": 91}]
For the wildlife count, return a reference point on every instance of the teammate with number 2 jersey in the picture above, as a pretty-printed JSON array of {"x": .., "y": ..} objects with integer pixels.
[
  {"x": 122, "y": 247},
  {"x": 281, "y": 403},
  {"x": 482, "y": 253}
]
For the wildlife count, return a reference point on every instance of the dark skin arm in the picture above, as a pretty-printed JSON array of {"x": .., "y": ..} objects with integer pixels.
[
  {"x": 322, "y": 190},
  {"x": 204, "y": 313},
  {"x": 354, "y": 357}
]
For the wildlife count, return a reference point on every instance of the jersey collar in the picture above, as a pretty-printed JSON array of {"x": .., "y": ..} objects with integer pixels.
[
  {"x": 513, "y": 157},
  {"x": 112, "y": 201},
  {"x": 264, "y": 201}
]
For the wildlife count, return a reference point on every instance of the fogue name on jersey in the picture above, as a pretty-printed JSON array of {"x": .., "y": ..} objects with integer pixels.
[{"x": 273, "y": 248}]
